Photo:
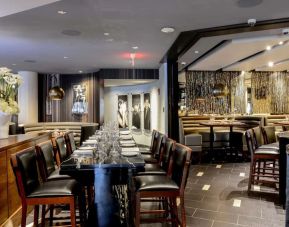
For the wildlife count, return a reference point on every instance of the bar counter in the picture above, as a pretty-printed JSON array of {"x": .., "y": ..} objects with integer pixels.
[{"x": 9, "y": 199}]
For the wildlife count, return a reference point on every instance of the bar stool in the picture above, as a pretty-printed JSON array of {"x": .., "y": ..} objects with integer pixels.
[{"x": 70, "y": 142}]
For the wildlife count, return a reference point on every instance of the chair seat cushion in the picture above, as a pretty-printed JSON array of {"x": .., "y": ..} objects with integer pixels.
[
  {"x": 56, "y": 176},
  {"x": 55, "y": 188},
  {"x": 152, "y": 169},
  {"x": 266, "y": 151},
  {"x": 270, "y": 146},
  {"x": 148, "y": 158},
  {"x": 154, "y": 183}
]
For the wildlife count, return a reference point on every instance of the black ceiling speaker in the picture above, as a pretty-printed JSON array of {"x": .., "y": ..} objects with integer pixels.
[
  {"x": 220, "y": 90},
  {"x": 55, "y": 92}
]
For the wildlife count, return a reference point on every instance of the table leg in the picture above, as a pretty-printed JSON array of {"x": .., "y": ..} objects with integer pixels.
[{"x": 212, "y": 155}]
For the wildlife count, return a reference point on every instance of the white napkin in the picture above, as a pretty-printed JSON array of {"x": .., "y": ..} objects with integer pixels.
[
  {"x": 83, "y": 152},
  {"x": 87, "y": 147},
  {"x": 124, "y": 132},
  {"x": 127, "y": 142},
  {"x": 90, "y": 142},
  {"x": 94, "y": 137},
  {"x": 125, "y": 137},
  {"x": 127, "y": 149}
]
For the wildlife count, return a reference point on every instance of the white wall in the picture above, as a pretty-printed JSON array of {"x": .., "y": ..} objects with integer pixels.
[
  {"x": 28, "y": 98},
  {"x": 159, "y": 107}
]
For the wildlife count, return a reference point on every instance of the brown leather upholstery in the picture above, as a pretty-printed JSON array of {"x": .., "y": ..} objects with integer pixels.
[
  {"x": 70, "y": 143},
  {"x": 261, "y": 155},
  {"x": 167, "y": 187},
  {"x": 87, "y": 131},
  {"x": 61, "y": 149},
  {"x": 46, "y": 162},
  {"x": 269, "y": 134},
  {"x": 32, "y": 192},
  {"x": 258, "y": 137}
]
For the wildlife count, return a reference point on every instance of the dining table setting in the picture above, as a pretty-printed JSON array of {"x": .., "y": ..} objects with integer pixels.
[{"x": 106, "y": 162}]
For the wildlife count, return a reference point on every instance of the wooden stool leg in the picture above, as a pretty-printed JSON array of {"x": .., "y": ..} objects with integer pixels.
[
  {"x": 51, "y": 208},
  {"x": 23, "y": 218},
  {"x": 36, "y": 215},
  {"x": 183, "y": 211},
  {"x": 137, "y": 210},
  {"x": 72, "y": 212},
  {"x": 43, "y": 215}
]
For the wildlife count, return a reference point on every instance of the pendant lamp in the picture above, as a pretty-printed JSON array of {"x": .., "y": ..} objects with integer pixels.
[{"x": 55, "y": 92}]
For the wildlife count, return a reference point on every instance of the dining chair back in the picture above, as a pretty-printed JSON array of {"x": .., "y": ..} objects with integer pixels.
[
  {"x": 70, "y": 142},
  {"x": 166, "y": 154},
  {"x": 61, "y": 152},
  {"x": 258, "y": 137},
  {"x": 33, "y": 192},
  {"x": 269, "y": 134}
]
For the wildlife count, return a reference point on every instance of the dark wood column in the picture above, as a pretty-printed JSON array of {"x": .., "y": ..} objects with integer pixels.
[{"x": 173, "y": 93}]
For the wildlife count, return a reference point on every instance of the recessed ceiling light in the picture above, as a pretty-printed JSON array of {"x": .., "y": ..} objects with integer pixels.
[
  {"x": 65, "y": 57},
  {"x": 183, "y": 63},
  {"x": 167, "y": 29},
  {"x": 281, "y": 43},
  {"x": 70, "y": 32},
  {"x": 243, "y": 72},
  {"x": 109, "y": 40},
  {"x": 80, "y": 71},
  {"x": 61, "y": 12},
  {"x": 106, "y": 34},
  {"x": 135, "y": 47},
  {"x": 268, "y": 47},
  {"x": 270, "y": 64},
  {"x": 196, "y": 51},
  {"x": 14, "y": 64}
]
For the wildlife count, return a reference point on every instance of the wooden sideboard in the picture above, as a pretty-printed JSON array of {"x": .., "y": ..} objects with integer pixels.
[{"x": 9, "y": 199}]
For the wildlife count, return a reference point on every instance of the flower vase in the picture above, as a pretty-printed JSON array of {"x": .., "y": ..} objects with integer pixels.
[{"x": 4, "y": 125}]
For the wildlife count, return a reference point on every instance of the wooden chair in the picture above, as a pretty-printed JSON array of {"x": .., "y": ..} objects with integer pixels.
[
  {"x": 61, "y": 151},
  {"x": 269, "y": 135},
  {"x": 34, "y": 193},
  {"x": 148, "y": 150},
  {"x": 162, "y": 167},
  {"x": 168, "y": 188},
  {"x": 259, "y": 173},
  {"x": 154, "y": 157},
  {"x": 70, "y": 142}
]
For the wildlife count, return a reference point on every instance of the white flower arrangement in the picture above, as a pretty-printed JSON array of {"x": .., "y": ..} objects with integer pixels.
[{"x": 9, "y": 84}]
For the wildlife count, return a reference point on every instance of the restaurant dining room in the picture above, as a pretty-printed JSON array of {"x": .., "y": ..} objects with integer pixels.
[{"x": 127, "y": 114}]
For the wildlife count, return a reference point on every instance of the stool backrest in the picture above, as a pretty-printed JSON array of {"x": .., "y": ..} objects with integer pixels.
[
  {"x": 249, "y": 135},
  {"x": 180, "y": 165},
  {"x": 166, "y": 154},
  {"x": 154, "y": 139},
  {"x": 61, "y": 149},
  {"x": 258, "y": 137},
  {"x": 25, "y": 170},
  {"x": 45, "y": 158},
  {"x": 70, "y": 142},
  {"x": 158, "y": 145},
  {"x": 269, "y": 134}
]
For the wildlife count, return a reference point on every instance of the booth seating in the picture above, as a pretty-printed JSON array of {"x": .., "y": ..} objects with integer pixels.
[
  {"x": 61, "y": 127},
  {"x": 271, "y": 119}
]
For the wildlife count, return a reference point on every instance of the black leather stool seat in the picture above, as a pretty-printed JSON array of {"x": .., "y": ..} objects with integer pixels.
[
  {"x": 144, "y": 150},
  {"x": 56, "y": 176},
  {"x": 149, "y": 158},
  {"x": 154, "y": 182},
  {"x": 152, "y": 169},
  {"x": 270, "y": 146},
  {"x": 266, "y": 151},
  {"x": 55, "y": 189}
]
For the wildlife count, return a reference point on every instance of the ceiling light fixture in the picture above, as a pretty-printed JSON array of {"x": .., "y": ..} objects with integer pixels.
[
  {"x": 135, "y": 47},
  {"x": 167, "y": 29},
  {"x": 281, "y": 43},
  {"x": 14, "y": 64},
  {"x": 183, "y": 63},
  {"x": 196, "y": 51},
  {"x": 61, "y": 12},
  {"x": 80, "y": 71},
  {"x": 106, "y": 34},
  {"x": 65, "y": 57},
  {"x": 270, "y": 64},
  {"x": 109, "y": 40},
  {"x": 268, "y": 47}
]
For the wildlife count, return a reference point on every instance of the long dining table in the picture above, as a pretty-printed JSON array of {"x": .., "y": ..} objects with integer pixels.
[{"x": 110, "y": 177}]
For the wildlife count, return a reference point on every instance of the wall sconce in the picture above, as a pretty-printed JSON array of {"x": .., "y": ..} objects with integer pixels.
[{"x": 56, "y": 92}]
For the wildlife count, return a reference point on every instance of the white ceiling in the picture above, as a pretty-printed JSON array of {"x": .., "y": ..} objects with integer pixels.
[
  {"x": 32, "y": 39},
  {"x": 126, "y": 82}
]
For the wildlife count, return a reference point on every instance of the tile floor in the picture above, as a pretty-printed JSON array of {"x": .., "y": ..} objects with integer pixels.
[{"x": 216, "y": 196}]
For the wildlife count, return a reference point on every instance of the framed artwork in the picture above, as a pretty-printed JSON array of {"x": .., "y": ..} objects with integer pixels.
[
  {"x": 79, "y": 106},
  {"x": 122, "y": 111},
  {"x": 147, "y": 111},
  {"x": 136, "y": 110}
]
